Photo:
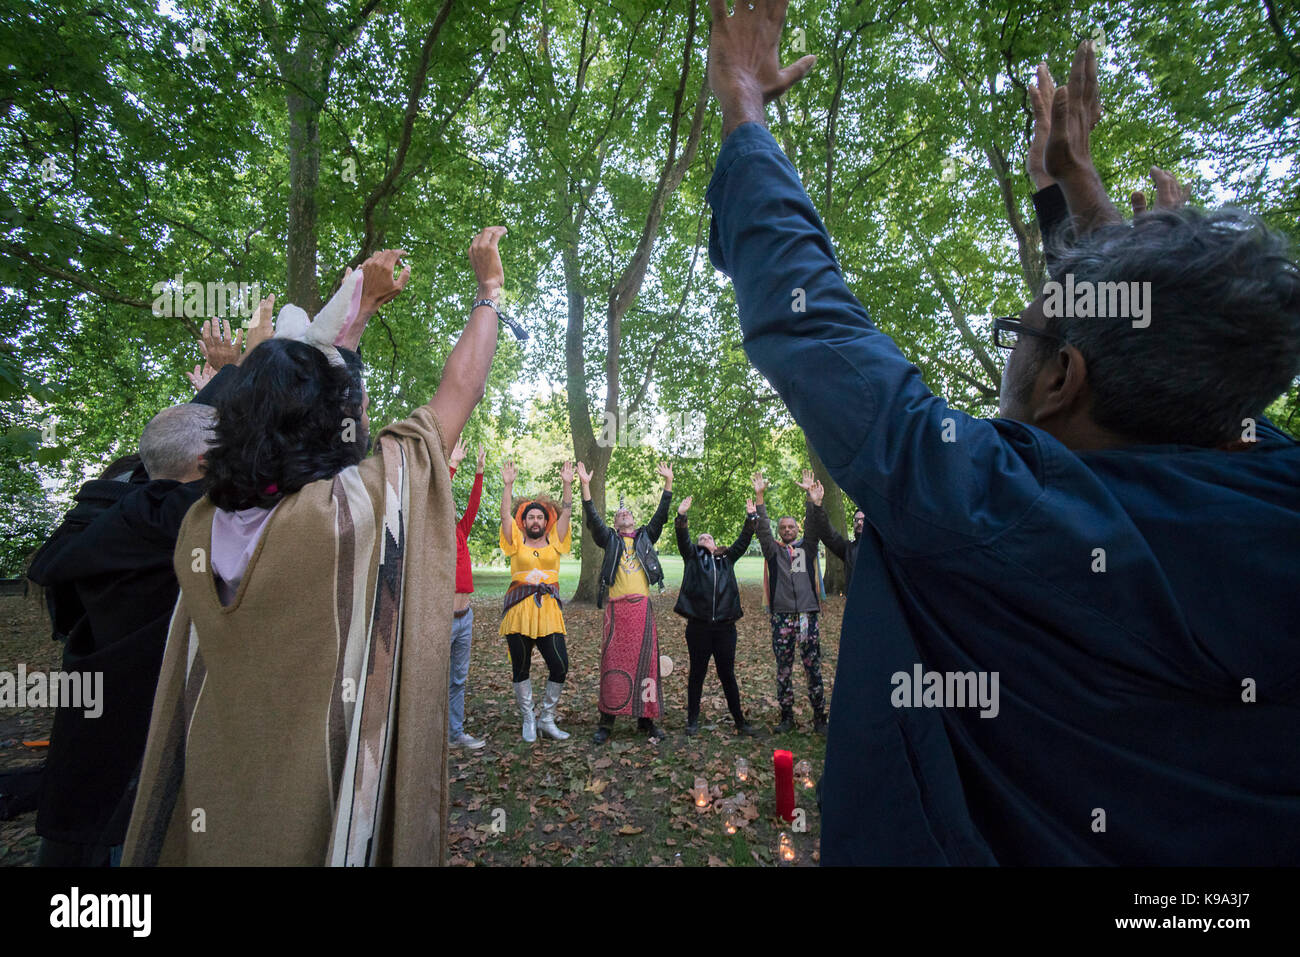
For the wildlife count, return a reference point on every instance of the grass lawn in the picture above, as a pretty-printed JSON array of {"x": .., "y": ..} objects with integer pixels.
[{"x": 628, "y": 802}]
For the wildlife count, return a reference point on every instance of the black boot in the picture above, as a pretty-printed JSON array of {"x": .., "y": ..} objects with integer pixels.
[
  {"x": 603, "y": 731},
  {"x": 746, "y": 728},
  {"x": 787, "y": 722},
  {"x": 647, "y": 727},
  {"x": 692, "y": 724},
  {"x": 819, "y": 722}
]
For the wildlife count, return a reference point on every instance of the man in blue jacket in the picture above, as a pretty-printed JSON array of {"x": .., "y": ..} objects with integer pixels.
[{"x": 1111, "y": 563}]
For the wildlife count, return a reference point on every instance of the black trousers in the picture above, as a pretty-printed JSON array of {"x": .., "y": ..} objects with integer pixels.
[
  {"x": 716, "y": 641},
  {"x": 553, "y": 652}
]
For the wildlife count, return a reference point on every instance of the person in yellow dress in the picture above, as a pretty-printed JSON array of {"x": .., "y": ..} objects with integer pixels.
[{"x": 534, "y": 537}]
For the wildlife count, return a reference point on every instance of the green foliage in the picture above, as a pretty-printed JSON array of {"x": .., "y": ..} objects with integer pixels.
[{"x": 139, "y": 143}]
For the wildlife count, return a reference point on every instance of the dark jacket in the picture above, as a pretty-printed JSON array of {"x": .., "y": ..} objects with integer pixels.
[
  {"x": 121, "y": 568},
  {"x": 846, "y": 550},
  {"x": 643, "y": 541},
  {"x": 793, "y": 584},
  {"x": 62, "y": 600},
  {"x": 709, "y": 591},
  {"x": 1124, "y": 690}
]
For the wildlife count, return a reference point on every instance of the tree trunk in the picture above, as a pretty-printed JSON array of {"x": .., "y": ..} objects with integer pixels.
[{"x": 303, "y": 288}]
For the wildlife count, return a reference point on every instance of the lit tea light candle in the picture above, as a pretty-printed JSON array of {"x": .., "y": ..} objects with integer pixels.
[
  {"x": 785, "y": 848},
  {"x": 742, "y": 769},
  {"x": 803, "y": 772},
  {"x": 701, "y": 792}
]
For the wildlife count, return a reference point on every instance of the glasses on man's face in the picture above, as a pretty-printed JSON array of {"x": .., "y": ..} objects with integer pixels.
[{"x": 1007, "y": 331}]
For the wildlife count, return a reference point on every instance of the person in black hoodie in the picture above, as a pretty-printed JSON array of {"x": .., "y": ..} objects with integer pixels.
[
  {"x": 120, "y": 568},
  {"x": 709, "y": 600}
]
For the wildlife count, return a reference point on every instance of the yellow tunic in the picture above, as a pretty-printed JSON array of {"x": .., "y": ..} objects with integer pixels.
[
  {"x": 535, "y": 566},
  {"x": 630, "y": 578}
]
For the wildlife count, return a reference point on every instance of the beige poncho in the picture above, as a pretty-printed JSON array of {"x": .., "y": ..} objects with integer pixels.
[{"x": 305, "y": 723}]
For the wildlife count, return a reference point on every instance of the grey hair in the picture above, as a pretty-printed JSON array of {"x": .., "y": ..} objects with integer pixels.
[
  {"x": 1224, "y": 334},
  {"x": 175, "y": 438}
]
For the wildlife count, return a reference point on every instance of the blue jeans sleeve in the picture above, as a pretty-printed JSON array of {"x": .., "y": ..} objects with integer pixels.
[{"x": 928, "y": 477}]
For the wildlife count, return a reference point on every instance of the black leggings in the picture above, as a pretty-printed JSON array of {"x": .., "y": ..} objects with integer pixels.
[
  {"x": 716, "y": 641},
  {"x": 553, "y": 653}
]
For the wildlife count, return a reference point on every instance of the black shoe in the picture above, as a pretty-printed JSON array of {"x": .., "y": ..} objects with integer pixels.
[
  {"x": 692, "y": 727},
  {"x": 748, "y": 730},
  {"x": 652, "y": 732},
  {"x": 601, "y": 735},
  {"x": 787, "y": 723},
  {"x": 819, "y": 724}
]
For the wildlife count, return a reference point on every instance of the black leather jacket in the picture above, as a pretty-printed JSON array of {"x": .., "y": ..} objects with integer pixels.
[
  {"x": 709, "y": 591},
  {"x": 643, "y": 540}
]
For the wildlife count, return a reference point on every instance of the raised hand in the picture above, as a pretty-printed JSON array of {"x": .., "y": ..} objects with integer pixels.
[
  {"x": 482, "y": 458},
  {"x": 745, "y": 59},
  {"x": 1076, "y": 108},
  {"x": 261, "y": 327},
  {"x": 685, "y": 505},
  {"x": 1170, "y": 194},
  {"x": 566, "y": 473},
  {"x": 817, "y": 492},
  {"x": 219, "y": 347},
  {"x": 750, "y": 507},
  {"x": 808, "y": 479},
  {"x": 760, "y": 483},
  {"x": 486, "y": 260},
  {"x": 378, "y": 288},
  {"x": 509, "y": 472},
  {"x": 457, "y": 453},
  {"x": 584, "y": 476},
  {"x": 201, "y": 376},
  {"x": 666, "y": 473},
  {"x": 1040, "y": 98}
]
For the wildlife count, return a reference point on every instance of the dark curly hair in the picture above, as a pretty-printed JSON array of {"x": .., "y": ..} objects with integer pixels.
[{"x": 289, "y": 418}]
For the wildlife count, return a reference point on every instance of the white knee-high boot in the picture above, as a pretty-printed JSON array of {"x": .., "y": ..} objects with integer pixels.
[
  {"x": 546, "y": 719},
  {"x": 524, "y": 699}
]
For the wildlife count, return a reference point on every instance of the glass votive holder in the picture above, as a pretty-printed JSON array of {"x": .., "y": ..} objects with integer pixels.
[
  {"x": 742, "y": 770},
  {"x": 785, "y": 848},
  {"x": 803, "y": 774}
]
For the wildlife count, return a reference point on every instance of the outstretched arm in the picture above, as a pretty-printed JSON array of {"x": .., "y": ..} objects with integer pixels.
[
  {"x": 464, "y": 376},
  {"x": 741, "y": 544},
  {"x": 656, "y": 525},
  {"x": 767, "y": 236},
  {"x": 600, "y": 533},
  {"x": 761, "y": 524},
  {"x": 508, "y": 474},
  {"x": 566, "y": 501},
  {"x": 475, "y": 494},
  {"x": 683, "y": 532},
  {"x": 821, "y": 524}
]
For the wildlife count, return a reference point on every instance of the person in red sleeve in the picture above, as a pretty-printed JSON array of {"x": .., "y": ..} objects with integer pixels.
[{"x": 462, "y": 626}]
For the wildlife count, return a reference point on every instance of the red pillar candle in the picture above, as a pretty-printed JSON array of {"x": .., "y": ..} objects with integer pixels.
[{"x": 783, "y": 763}]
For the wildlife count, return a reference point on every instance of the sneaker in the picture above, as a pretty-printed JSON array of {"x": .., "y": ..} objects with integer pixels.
[{"x": 464, "y": 740}]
